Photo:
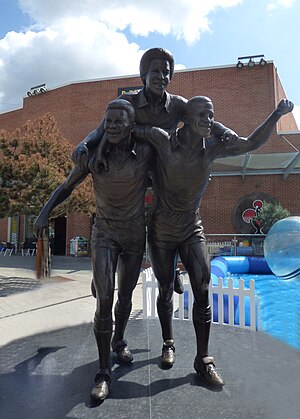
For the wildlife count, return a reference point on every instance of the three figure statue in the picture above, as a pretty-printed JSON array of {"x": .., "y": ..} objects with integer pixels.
[{"x": 139, "y": 137}]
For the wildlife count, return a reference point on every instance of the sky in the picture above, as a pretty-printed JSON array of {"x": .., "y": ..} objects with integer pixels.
[{"x": 62, "y": 41}]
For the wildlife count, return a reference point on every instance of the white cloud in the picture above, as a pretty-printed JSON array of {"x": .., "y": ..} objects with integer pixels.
[
  {"x": 286, "y": 3},
  {"x": 73, "y": 40},
  {"x": 275, "y": 4},
  {"x": 183, "y": 19}
]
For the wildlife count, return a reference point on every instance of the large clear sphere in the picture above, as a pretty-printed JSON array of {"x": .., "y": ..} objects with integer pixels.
[{"x": 282, "y": 248}]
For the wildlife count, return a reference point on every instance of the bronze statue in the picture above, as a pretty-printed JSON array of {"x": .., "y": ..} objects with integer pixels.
[
  {"x": 118, "y": 234},
  {"x": 180, "y": 178},
  {"x": 153, "y": 106},
  {"x": 180, "y": 172}
]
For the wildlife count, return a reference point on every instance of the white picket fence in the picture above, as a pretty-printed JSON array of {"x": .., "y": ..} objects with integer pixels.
[{"x": 226, "y": 308}]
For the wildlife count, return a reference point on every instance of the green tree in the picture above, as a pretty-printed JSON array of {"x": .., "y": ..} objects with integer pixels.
[
  {"x": 34, "y": 161},
  {"x": 270, "y": 213}
]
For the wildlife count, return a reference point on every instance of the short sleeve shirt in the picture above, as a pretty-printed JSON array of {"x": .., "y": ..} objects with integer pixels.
[
  {"x": 120, "y": 191},
  {"x": 181, "y": 175},
  {"x": 166, "y": 115}
]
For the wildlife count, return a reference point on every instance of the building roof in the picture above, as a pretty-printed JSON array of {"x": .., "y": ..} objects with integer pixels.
[{"x": 258, "y": 164}]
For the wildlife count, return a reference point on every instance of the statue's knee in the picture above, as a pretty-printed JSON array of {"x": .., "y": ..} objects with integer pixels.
[
  {"x": 102, "y": 323},
  {"x": 166, "y": 292},
  {"x": 104, "y": 308},
  {"x": 201, "y": 311},
  {"x": 105, "y": 303},
  {"x": 123, "y": 304}
]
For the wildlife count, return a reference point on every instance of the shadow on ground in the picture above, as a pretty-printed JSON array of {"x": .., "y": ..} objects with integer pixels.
[
  {"x": 69, "y": 263},
  {"x": 50, "y": 376},
  {"x": 12, "y": 285}
]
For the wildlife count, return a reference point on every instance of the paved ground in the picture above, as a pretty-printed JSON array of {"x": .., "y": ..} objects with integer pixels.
[
  {"x": 29, "y": 306},
  {"x": 48, "y": 358}
]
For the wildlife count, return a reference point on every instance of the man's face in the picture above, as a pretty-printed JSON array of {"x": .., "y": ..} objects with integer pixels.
[
  {"x": 158, "y": 76},
  {"x": 200, "y": 118},
  {"x": 117, "y": 125}
]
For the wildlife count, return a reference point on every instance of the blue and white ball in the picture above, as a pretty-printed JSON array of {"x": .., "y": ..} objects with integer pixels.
[{"x": 282, "y": 248}]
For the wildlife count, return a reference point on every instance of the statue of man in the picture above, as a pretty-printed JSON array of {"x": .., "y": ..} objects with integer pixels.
[
  {"x": 118, "y": 235},
  {"x": 181, "y": 175},
  {"x": 153, "y": 106}
]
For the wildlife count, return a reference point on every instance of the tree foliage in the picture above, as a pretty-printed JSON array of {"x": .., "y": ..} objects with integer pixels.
[
  {"x": 34, "y": 161},
  {"x": 270, "y": 213}
]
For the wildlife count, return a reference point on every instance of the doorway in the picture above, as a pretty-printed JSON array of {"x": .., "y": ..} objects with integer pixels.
[{"x": 59, "y": 239}]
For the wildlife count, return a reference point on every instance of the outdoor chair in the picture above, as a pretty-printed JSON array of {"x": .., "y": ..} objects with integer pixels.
[
  {"x": 28, "y": 247},
  {"x": 7, "y": 248}
]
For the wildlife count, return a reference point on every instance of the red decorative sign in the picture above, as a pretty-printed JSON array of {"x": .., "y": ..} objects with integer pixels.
[{"x": 249, "y": 216}]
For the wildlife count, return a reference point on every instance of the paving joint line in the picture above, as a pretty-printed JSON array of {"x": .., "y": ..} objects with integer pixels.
[{"x": 46, "y": 306}]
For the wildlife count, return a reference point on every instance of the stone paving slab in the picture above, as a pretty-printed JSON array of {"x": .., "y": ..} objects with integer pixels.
[{"x": 29, "y": 305}]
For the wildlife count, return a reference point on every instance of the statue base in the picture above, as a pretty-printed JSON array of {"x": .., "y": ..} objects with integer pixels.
[{"x": 50, "y": 375}]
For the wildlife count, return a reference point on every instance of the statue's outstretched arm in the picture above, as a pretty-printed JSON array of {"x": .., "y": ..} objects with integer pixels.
[
  {"x": 260, "y": 135},
  {"x": 60, "y": 194}
]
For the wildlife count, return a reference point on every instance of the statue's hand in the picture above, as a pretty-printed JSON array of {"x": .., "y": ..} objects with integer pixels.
[
  {"x": 41, "y": 224},
  {"x": 229, "y": 137},
  {"x": 284, "y": 106},
  {"x": 80, "y": 156}
]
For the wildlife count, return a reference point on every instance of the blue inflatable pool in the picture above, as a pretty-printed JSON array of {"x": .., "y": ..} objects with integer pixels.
[
  {"x": 220, "y": 266},
  {"x": 238, "y": 265}
]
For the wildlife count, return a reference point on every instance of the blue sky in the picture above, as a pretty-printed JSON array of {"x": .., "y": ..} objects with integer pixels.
[{"x": 60, "y": 41}]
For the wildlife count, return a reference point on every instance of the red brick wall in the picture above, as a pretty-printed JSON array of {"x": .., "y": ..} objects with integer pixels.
[
  {"x": 77, "y": 225},
  {"x": 11, "y": 120},
  {"x": 223, "y": 194},
  {"x": 219, "y": 202},
  {"x": 288, "y": 123},
  {"x": 242, "y": 98},
  {"x": 3, "y": 229}
]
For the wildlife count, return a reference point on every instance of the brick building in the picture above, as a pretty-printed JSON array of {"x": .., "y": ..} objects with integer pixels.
[{"x": 242, "y": 97}]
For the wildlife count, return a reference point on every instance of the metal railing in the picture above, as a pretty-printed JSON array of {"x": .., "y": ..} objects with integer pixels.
[
  {"x": 235, "y": 244},
  {"x": 230, "y": 245}
]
